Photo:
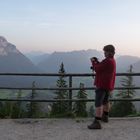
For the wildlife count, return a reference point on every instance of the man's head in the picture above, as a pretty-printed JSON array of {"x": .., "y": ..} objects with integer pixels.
[{"x": 109, "y": 50}]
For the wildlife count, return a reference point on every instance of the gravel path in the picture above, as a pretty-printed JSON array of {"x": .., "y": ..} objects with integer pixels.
[{"x": 68, "y": 129}]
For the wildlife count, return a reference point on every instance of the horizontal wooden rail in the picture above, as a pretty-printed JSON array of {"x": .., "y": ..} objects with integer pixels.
[
  {"x": 76, "y": 88},
  {"x": 67, "y": 74},
  {"x": 70, "y": 88},
  {"x": 66, "y": 100}
]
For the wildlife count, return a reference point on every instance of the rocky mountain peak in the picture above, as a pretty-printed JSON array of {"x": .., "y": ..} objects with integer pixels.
[
  {"x": 6, "y": 47},
  {"x": 3, "y": 42}
]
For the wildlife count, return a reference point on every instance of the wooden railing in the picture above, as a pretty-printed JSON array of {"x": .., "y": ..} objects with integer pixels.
[{"x": 69, "y": 88}]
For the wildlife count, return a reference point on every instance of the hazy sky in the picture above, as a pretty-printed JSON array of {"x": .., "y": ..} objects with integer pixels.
[{"x": 65, "y": 25}]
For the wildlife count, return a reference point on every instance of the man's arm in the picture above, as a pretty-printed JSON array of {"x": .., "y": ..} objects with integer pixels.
[{"x": 104, "y": 66}]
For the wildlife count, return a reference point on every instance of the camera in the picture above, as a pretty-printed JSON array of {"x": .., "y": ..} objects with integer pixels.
[
  {"x": 91, "y": 68},
  {"x": 94, "y": 59}
]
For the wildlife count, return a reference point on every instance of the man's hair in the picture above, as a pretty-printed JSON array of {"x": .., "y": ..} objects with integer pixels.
[{"x": 110, "y": 49}]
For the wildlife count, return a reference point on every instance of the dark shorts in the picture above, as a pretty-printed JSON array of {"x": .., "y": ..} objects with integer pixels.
[{"x": 101, "y": 97}]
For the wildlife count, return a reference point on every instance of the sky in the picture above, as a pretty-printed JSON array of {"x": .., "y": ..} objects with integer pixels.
[{"x": 67, "y": 25}]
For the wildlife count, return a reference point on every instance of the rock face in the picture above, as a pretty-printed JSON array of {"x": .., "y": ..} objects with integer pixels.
[
  {"x": 6, "y": 47},
  {"x": 13, "y": 61}
]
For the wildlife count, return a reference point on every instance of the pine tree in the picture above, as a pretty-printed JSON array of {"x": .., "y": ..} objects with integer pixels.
[
  {"x": 12, "y": 109},
  {"x": 16, "y": 107},
  {"x": 79, "y": 107},
  {"x": 60, "y": 109},
  {"x": 125, "y": 108},
  {"x": 33, "y": 109},
  {"x": 92, "y": 111},
  {"x": 6, "y": 109}
]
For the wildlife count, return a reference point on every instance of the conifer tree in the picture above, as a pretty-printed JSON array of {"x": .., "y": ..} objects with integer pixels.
[
  {"x": 11, "y": 109},
  {"x": 6, "y": 109},
  {"x": 60, "y": 109},
  {"x": 91, "y": 111},
  {"x": 16, "y": 107},
  {"x": 125, "y": 108},
  {"x": 79, "y": 107},
  {"x": 33, "y": 109}
]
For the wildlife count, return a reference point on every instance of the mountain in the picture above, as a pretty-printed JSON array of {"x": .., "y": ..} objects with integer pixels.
[
  {"x": 12, "y": 60},
  {"x": 74, "y": 62},
  {"x": 123, "y": 62},
  {"x": 79, "y": 61},
  {"x": 37, "y": 57},
  {"x": 136, "y": 66}
]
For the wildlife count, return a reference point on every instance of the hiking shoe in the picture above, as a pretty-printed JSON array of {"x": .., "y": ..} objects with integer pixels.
[
  {"x": 105, "y": 118},
  {"x": 95, "y": 125}
]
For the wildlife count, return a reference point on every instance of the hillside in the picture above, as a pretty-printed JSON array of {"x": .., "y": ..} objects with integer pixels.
[
  {"x": 37, "y": 57},
  {"x": 13, "y": 61},
  {"x": 124, "y": 62},
  {"x": 74, "y": 62}
]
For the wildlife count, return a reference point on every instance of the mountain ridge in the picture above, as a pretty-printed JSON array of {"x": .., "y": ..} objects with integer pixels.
[
  {"x": 74, "y": 61},
  {"x": 13, "y": 61}
]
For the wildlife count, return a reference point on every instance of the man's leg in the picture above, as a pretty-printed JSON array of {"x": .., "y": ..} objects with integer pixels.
[
  {"x": 99, "y": 109},
  {"x": 97, "y": 121},
  {"x": 106, "y": 107}
]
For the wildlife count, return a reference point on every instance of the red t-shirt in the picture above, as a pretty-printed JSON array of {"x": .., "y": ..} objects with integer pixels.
[{"x": 105, "y": 73}]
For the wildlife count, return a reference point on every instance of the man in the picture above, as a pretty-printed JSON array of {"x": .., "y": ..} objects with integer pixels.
[{"x": 104, "y": 81}]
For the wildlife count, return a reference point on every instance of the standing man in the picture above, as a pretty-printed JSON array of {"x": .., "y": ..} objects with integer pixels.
[{"x": 104, "y": 81}]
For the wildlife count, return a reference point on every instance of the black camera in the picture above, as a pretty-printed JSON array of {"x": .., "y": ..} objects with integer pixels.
[
  {"x": 94, "y": 59},
  {"x": 91, "y": 68}
]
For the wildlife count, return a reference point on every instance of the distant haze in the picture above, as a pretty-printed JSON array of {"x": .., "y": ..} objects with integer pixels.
[{"x": 66, "y": 25}]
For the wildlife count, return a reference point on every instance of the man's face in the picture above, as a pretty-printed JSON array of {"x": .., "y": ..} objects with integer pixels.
[{"x": 106, "y": 54}]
